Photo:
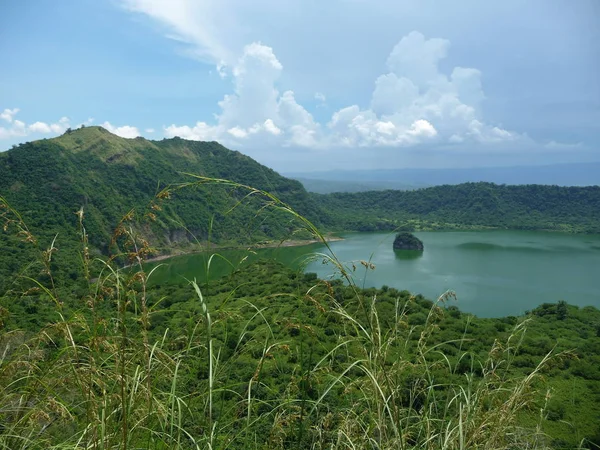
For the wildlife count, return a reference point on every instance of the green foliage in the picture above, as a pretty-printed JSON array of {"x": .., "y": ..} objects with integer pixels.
[
  {"x": 49, "y": 180},
  {"x": 561, "y": 310},
  {"x": 94, "y": 354},
  {"x": 270, "y": 358},
  {"x": 468, "y": 205},
  {"x": 407, "y": 241}
]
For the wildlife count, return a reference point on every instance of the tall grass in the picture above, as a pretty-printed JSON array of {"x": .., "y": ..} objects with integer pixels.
[{"x": 95, "y": 378}]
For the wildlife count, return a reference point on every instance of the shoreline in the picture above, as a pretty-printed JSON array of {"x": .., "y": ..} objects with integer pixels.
[{"x": 278, "y": 244}]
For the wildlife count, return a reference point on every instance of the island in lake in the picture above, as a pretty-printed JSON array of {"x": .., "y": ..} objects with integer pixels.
[{"x": 407, "y": 241}]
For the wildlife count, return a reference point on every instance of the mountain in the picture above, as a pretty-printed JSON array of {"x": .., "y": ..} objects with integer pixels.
[
  {"x": 578, "y": 174},
  {"x": 49, "y": 180}
]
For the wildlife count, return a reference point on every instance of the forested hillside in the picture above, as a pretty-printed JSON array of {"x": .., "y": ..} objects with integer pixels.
[
  {"x": 48, "y": 181},
  {"x": 469, "y": 205}
]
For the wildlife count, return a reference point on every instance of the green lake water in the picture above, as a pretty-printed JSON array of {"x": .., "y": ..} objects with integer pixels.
[{"x": 494, "y": 273}]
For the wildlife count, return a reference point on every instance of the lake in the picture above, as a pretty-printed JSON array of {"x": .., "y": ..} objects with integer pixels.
[{"x": 494, "y": 273}]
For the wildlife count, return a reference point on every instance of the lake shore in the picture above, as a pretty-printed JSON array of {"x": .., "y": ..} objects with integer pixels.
[{"x": 270, "y": 244}]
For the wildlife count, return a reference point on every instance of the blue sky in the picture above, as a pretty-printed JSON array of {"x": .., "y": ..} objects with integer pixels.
[{"x": 313, "y": 85}]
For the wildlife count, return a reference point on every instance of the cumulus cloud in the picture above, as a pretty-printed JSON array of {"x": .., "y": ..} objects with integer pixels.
[
  {"x": 40, "y": 127},
  {"x": 413, "y": 103},
  {"x": 417, "y": 86},
  {"x": 8, "y": 114},
  {"x": 271, "y": 128},
  {"x": 61, "y": 126},
  {"x": 18, "y": 128},
  {"x": 256, "y": 110},
  {"x": 126, "y": 131},
  {"x": 199, "y": 132}
]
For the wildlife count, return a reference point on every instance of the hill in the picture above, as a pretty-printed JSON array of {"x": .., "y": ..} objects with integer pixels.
[
  {"x": 47, "y": 181},
  {"x": 468, "y": 205}
]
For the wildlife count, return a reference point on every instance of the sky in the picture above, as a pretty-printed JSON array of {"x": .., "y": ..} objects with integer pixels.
[{"x": 312, "y": 85}]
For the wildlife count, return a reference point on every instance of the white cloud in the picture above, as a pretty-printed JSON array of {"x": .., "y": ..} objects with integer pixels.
[
  {"x": 238, "y": 132},
  {"x": 149, "y": 130},
  {"x": 222, "y": 69},
  {"x": 126, "y": 131},
  {"x": 413, "y": 91},
  {"x": 270, "y": 127},
  {"x": 61, "y": 126},
  {"x": 392, "y": 94},
  {"x": 413, "y": 103},
  {"x": 422, "y": 128},
  {"x": 203, "y": 25},
  {"x": 40, "y": 127},
  {"x": 200, "y": 132},
  {"x": 8, "y": 114},
  {"x": 298, "y": 121},
  {"x": 255, "y": 111},
  {"x": 18, "y": 128},
  {"x": 255, "y": 97},
  {"x": 416, "y": 58}
]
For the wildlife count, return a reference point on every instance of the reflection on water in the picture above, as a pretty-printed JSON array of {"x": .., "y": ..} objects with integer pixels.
[{"x": 408, "y": 254}]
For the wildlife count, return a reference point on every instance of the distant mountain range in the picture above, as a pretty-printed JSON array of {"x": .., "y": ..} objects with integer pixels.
[{"x": 579, "y": 174}]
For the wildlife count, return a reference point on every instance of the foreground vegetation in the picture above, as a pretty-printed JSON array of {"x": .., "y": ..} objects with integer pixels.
[{"x": 272, "y": 358}]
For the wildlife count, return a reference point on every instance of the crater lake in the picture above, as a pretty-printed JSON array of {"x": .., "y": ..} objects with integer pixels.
[{"x": 493, "y": 273}]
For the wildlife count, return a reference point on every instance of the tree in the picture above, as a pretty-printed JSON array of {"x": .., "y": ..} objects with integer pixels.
[{"x": 561, "y": 310}]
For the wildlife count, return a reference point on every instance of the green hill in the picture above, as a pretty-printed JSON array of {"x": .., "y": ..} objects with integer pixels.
[
  {"x": 468, "y": 205},
  {"x": 47, "y": 181}
]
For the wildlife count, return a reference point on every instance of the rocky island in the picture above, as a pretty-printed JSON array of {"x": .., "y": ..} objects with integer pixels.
[{"x": 407, "y": 241}]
